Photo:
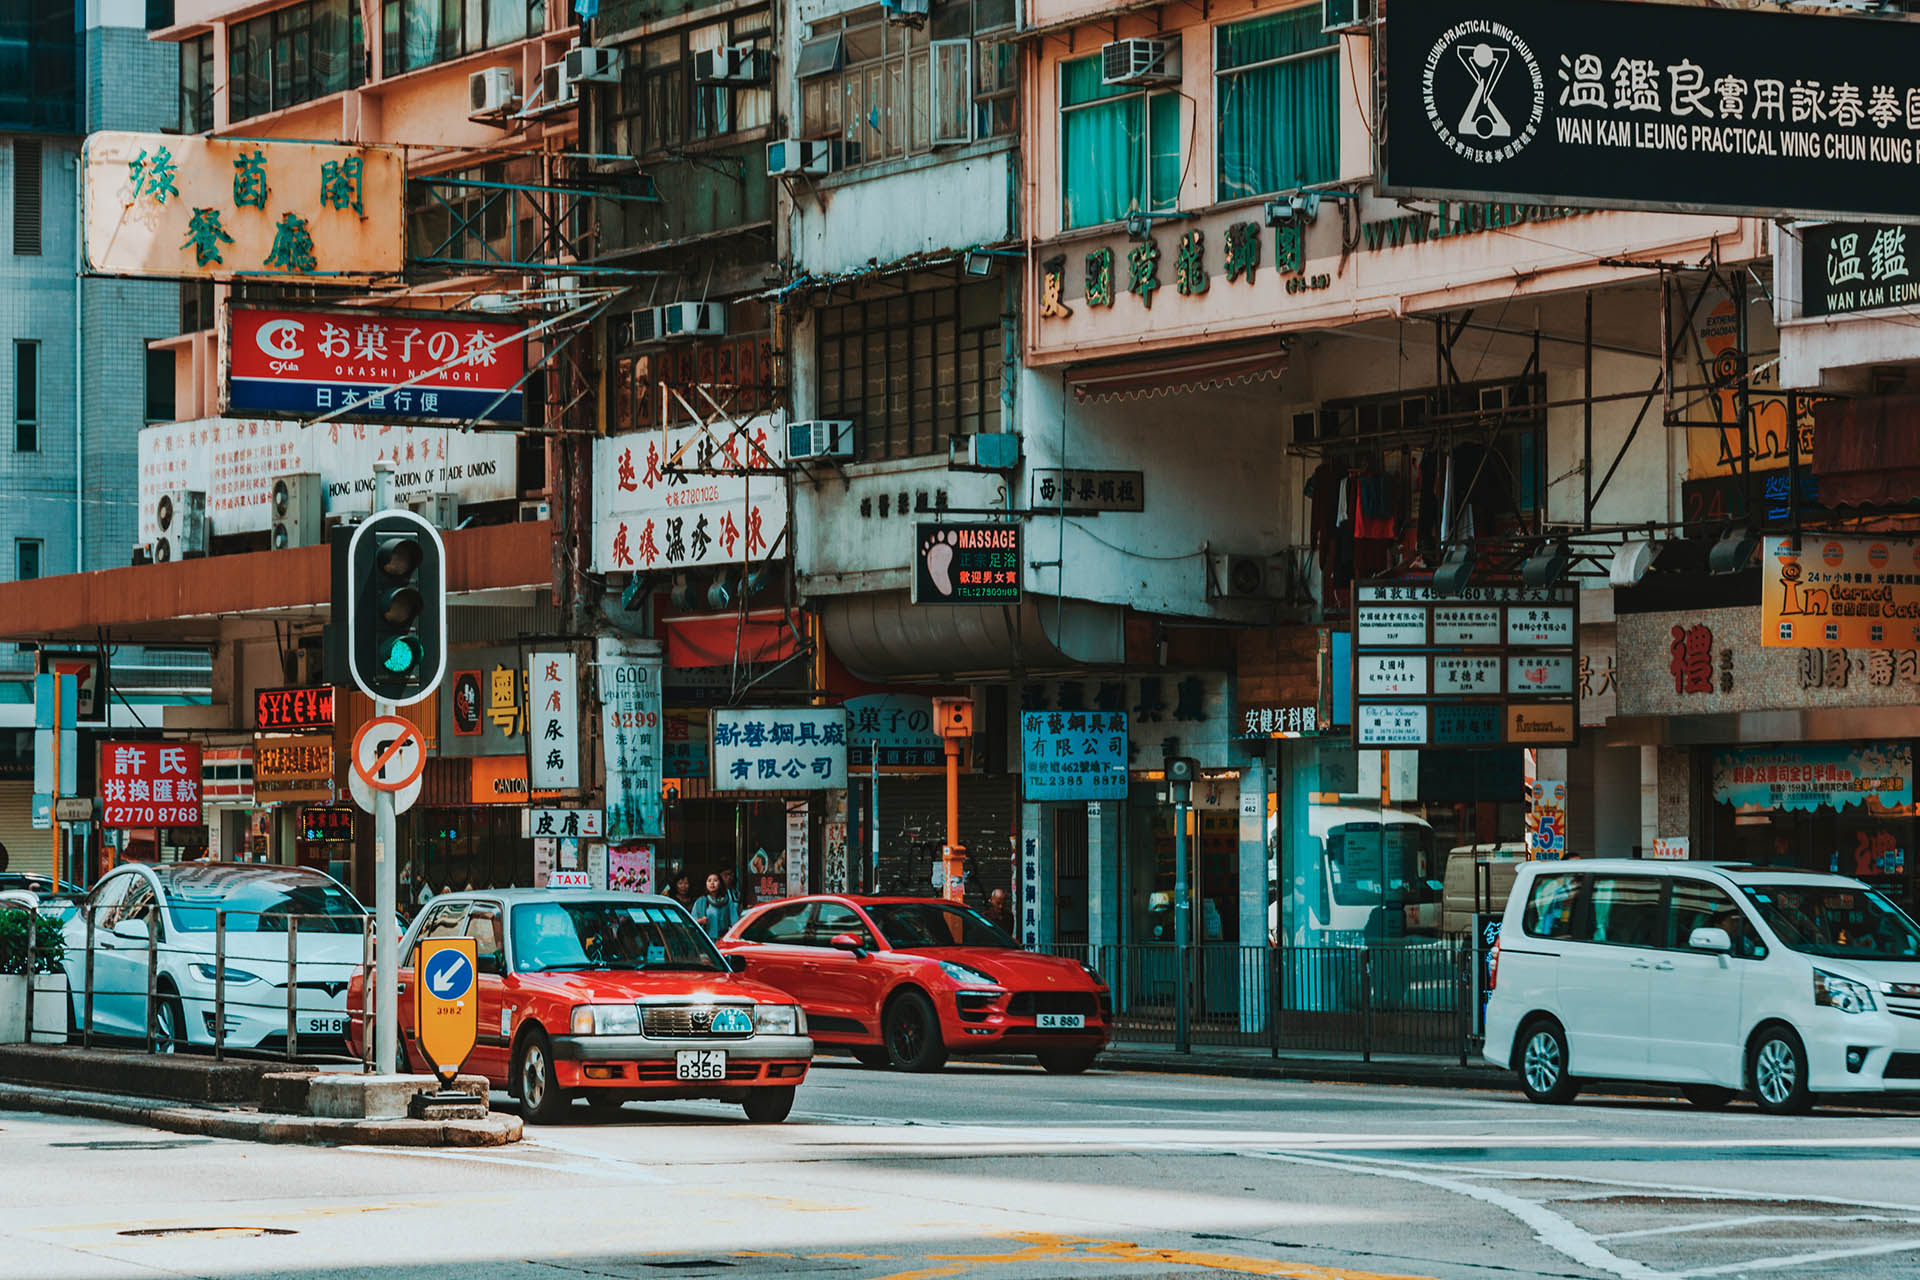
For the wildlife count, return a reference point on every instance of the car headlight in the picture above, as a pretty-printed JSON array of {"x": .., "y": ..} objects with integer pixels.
[
  {"x": 1844, "y": 994},
  {"x": 605, "y": 1020},
  {"x": 237, "y": 977},
  {"x": 779, "y": 1020},
  {"x": 967, "y": 977},
  {"x": 1093, "y": 974}
]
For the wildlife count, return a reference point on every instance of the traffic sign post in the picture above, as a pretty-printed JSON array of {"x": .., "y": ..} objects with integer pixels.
[
  {"x": 446, "y": 1004},
  {"x": 389, "y": 759}
]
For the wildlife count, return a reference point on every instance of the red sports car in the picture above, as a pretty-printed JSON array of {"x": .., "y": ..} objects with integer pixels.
[
  {"x": 608, "y": 997},
  {"x": 908, "y": 981}
]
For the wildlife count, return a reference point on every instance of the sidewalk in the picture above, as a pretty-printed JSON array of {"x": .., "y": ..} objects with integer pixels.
[{"x": 1335, "y": 1068}]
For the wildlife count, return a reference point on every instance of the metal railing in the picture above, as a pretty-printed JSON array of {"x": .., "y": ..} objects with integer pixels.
[{"x": 1387, "y": 998}]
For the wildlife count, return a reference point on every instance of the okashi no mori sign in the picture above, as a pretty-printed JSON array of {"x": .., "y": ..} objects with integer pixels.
[{"x": 1660, "y": 106}]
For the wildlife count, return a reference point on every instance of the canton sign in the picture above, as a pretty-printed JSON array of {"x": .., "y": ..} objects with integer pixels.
[{"x": 1654, "y": 106}]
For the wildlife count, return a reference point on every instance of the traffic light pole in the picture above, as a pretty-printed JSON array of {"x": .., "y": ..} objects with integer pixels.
[{"x": 386, "y": 939}]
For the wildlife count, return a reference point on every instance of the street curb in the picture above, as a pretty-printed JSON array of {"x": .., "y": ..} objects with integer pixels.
[
  {"x": 1415, "y": 1075},
  {"x": 257, "y": 1126}
]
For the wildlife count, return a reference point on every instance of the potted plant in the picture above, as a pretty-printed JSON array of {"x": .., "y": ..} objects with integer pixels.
[{"x": 48, "y": 979}]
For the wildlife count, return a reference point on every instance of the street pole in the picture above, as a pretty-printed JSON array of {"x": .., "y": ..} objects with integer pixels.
[
  {"x": 386, "y": 945},
  {"x": 1182, "y": 919}
]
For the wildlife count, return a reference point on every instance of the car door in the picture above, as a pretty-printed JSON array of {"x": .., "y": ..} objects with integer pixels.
[
  {"x": 485, "y": 925},
  {"x": 120, "y": 975},
  {"x": 1606, "y": 976},
  {"x": 775, "y": 946},
  {"x": 842, "y": 986},
  {"x": 1694, "y": 998},
  {"x": 110, "y": 973}
]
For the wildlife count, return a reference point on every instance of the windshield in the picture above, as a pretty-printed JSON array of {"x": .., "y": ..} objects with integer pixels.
[
  {"x": 1367, "y": 870},
  {"x": 609, "y": 935},
  {"x": 936, "y": 924},
  {"x": 259, "y": 900},
  {"x": 1832, "y": 920}
]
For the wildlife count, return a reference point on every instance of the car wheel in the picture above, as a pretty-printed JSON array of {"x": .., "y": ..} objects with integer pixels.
[
  {"x": 1777, "y": 1068},
  {"x": 870, "y": 1056},
  {"x": 402, "y": 1063},
  {"x": 169, "y": 1023},
  {"x": 1707, "y": 1097},
  {"x": 912, "y": 1031},
  {"x": 1543, "y": 1064},
  {"x": 1068, "y": 1062},
  {"x": 768, "y": 1106},
  {"x": 540, "y": 1095}
]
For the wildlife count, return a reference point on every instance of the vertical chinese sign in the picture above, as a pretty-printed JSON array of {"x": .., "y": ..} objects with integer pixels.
[
  {"x": 150, "y": 784},
  {"x": 553, "y": 737},
  {"x": 631, "y": 737}
]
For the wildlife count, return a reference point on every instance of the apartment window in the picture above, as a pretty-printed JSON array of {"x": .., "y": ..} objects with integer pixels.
[
  {"x": 160, "y": 366},
  {"x": 913, "y": 371},
  {"x": 26, "y": 197},
  {"x": 474, "y": 224},
  {"x": 26, "y": 397},
  {"x": 422, "y": 33},
  {"x": 38, "y": 65},
  {"x": 887, "y": 90},
  {"x": 159, "y": 14},
  {"x": 26, "y": 559},
  {"x": 293, "y": 55},
  {"x": 1119, "y": 147},
  {"x": 196, "y": 84},
  {"x": 1276, "y": 82},
  {"x": 658, "y": 105}
]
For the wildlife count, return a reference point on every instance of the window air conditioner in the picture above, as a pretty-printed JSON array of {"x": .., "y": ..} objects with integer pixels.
[
  {"x": 732, "y": 64},
  {"x": 296, "y": 511},
  {"x": 1140, "y": 61},
  {"x": 906, "y": 13},
  {"x": 820, "y": 438},
  {"x": 679, "y": 320},
  {"x": 556, "y": 91},
  {"x": 588, "y": 63},
  {"x": 792, "y": 156},
  {"x": 490, "y": 92},
  {"x": 180, "y": 521},
  {"x": 989, "y": 451},
  {"x": 442, "y": 510},
  {"x": 1345, "y": 15},
  {"x": 534, "y": 511}
]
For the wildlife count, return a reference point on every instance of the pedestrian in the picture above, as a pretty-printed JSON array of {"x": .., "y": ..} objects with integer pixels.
[
  {"x": 741, "y": 895},
  {"x": 682, "y": 891},
  {"x": 715, "y": 912},
  {"x": 998, "y": 911}
]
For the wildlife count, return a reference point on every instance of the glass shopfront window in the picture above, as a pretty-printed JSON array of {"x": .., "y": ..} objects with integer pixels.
[{"x": 454, "y": 849}]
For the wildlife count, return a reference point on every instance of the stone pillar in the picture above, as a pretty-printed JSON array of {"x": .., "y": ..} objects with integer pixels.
[
  {"x": 1035, "y": 909},
  {"x": 1106, "y": 851},
  {"x": 1253, "y": 891}
]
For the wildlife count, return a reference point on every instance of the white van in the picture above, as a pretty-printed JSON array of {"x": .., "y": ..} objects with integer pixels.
[{"x": 1714, "y": 977}]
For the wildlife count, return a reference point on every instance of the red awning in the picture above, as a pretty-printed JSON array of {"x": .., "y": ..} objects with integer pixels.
[
  {"x": 1867, "y": 452},
  {"x": 1165, "y": 374},
  {"x": 719, "y": 640}
]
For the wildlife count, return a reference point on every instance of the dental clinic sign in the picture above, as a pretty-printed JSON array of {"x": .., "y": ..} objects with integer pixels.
[{"x": 1657, "y": 106}]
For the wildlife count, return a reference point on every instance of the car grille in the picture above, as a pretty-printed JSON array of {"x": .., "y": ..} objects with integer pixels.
[
  {"x": 1903, "y": 1066},
  {"x": 1025, "y": 1004},
  {"x": 663, "y": 1073},
  {"x": 687, "y": 1022},
  {"x": 1902, "y": 1008}
]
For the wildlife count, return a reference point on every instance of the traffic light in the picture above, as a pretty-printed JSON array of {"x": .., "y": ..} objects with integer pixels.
[{"x": 396, "y": 607}]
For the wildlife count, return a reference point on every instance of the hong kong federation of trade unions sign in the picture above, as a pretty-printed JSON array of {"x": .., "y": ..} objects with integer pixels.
[{"x": 1631, "y": 105}]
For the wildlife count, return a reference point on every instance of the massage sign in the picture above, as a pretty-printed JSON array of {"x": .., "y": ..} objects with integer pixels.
[{"x": 966, "y": 564}]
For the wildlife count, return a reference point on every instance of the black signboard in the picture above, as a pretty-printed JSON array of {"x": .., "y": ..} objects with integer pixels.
[
  {"x": 326, "y": 824},
  {"x": 280, "y": 710},
  {"x": 966, "y": 564},
  {"x": 1661, "y": 106},
  {"x": 1852, "y": 266}
]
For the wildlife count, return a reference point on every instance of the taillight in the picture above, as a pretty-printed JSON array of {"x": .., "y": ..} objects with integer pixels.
[{"x": 1493, "y": 966}]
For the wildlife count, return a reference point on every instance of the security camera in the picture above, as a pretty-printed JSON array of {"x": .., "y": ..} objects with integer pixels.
[{"x": 1279, "y": 212}]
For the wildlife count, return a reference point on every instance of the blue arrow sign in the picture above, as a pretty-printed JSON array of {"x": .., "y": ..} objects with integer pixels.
[{"x": 448, "y": 975}]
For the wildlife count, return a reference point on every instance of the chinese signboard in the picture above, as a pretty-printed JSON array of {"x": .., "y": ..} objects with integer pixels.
[
  {"x": 1077, "y": 492},
  {"x": 1807, "y": 776},
  {"x": 322, "y": 824},
  {"x": 966, "y": 564},
  {"x": 1840, "y": 593},
  {"x": 689, "y": 496},
  {"x": 280, "y": 710},
  {"x": 89, "y": 669},
  {"x": 893, "y": 732},
  {"x": 293, "y": 769},
  {"x": 1073, "y": 755},
  {"x": 150, "y": 784},
  {"x": 686, "y": 738},
  {"x": 562, "y": 824},
  {"x": 1661, "y": 106},
  {"x": 484, "y": 707},
  {"x": 631, "y": 736},
  {"x": 216, "y": 208},
  {"x": 1853, "y": 266},
  {"x": 1180, "y": 713},
  {"x": 234, "y": 461},
  {"x": 302, "y": 364},
  {"x": 780, "y": 748},
  {"x": 1492, "y": 667},
  {"x": 553, "y": 727}
]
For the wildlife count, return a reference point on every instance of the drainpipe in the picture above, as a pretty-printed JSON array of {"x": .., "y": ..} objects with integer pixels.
[{"x": 79, "y": 382}]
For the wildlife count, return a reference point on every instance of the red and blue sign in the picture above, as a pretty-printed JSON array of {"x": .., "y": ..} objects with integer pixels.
[{"x": 416, "y": 366}]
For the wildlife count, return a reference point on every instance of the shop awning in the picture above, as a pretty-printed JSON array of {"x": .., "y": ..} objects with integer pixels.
[
  {"x": 886, "y": 636},
  {"x": 1867, "y": 452},
  {"x": 1195, "y": 369},
  {"x": 720, "y": 640}
]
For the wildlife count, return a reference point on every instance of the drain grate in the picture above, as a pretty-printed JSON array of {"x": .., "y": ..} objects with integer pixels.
[
  {"x": 203, "y": 1233},
  {"x": 131, "y": 1144},
  {"x": 688, "y": 1264}
]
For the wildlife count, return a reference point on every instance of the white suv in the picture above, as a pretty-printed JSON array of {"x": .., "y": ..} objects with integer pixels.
[{"x": 1713, "y": 977}]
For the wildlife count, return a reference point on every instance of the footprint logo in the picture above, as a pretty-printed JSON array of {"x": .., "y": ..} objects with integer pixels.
[{"x": 938, "y": 551}]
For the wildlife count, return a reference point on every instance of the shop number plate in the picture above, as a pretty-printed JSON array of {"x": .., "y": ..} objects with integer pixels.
[
  {"x": 1059, "y": 1021},
  {"x": 700, "y": 1064}
]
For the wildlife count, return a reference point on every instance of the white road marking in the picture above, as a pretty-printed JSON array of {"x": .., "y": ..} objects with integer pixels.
[
  {"x": 1802, "y": 1259},
  {"x": 626, "y": 1173},
  {"x": 1724, "y": 1224}
]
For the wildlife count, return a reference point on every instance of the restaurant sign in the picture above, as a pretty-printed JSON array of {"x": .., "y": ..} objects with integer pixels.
[{"x": 1807, "y": 776}]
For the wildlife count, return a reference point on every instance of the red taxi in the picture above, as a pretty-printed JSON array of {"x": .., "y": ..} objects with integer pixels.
[
  {"x": 909, "y": 981},
  {"x": 609, "y": 997}
]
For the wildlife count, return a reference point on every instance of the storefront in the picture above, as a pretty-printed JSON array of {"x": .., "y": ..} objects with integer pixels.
[{"x": 1844, "y": 807}]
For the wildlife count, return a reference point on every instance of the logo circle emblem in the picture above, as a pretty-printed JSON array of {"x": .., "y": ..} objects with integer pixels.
[
  {"x": 280, "y": 339},
  {"x": 1483, "y": 90}
]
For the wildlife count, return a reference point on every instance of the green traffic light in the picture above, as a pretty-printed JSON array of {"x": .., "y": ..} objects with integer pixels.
[{"x": 401, "y": 655}]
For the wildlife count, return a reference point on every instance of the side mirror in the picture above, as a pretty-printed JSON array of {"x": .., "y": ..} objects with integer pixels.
[
  {"x": 1709, "y": 939},
  {"x": 735, "y": 963},
  {"x": 488, "y": 962},
  {"x": 847, "y": 942},
  {"x": 133, "y": 930}
]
